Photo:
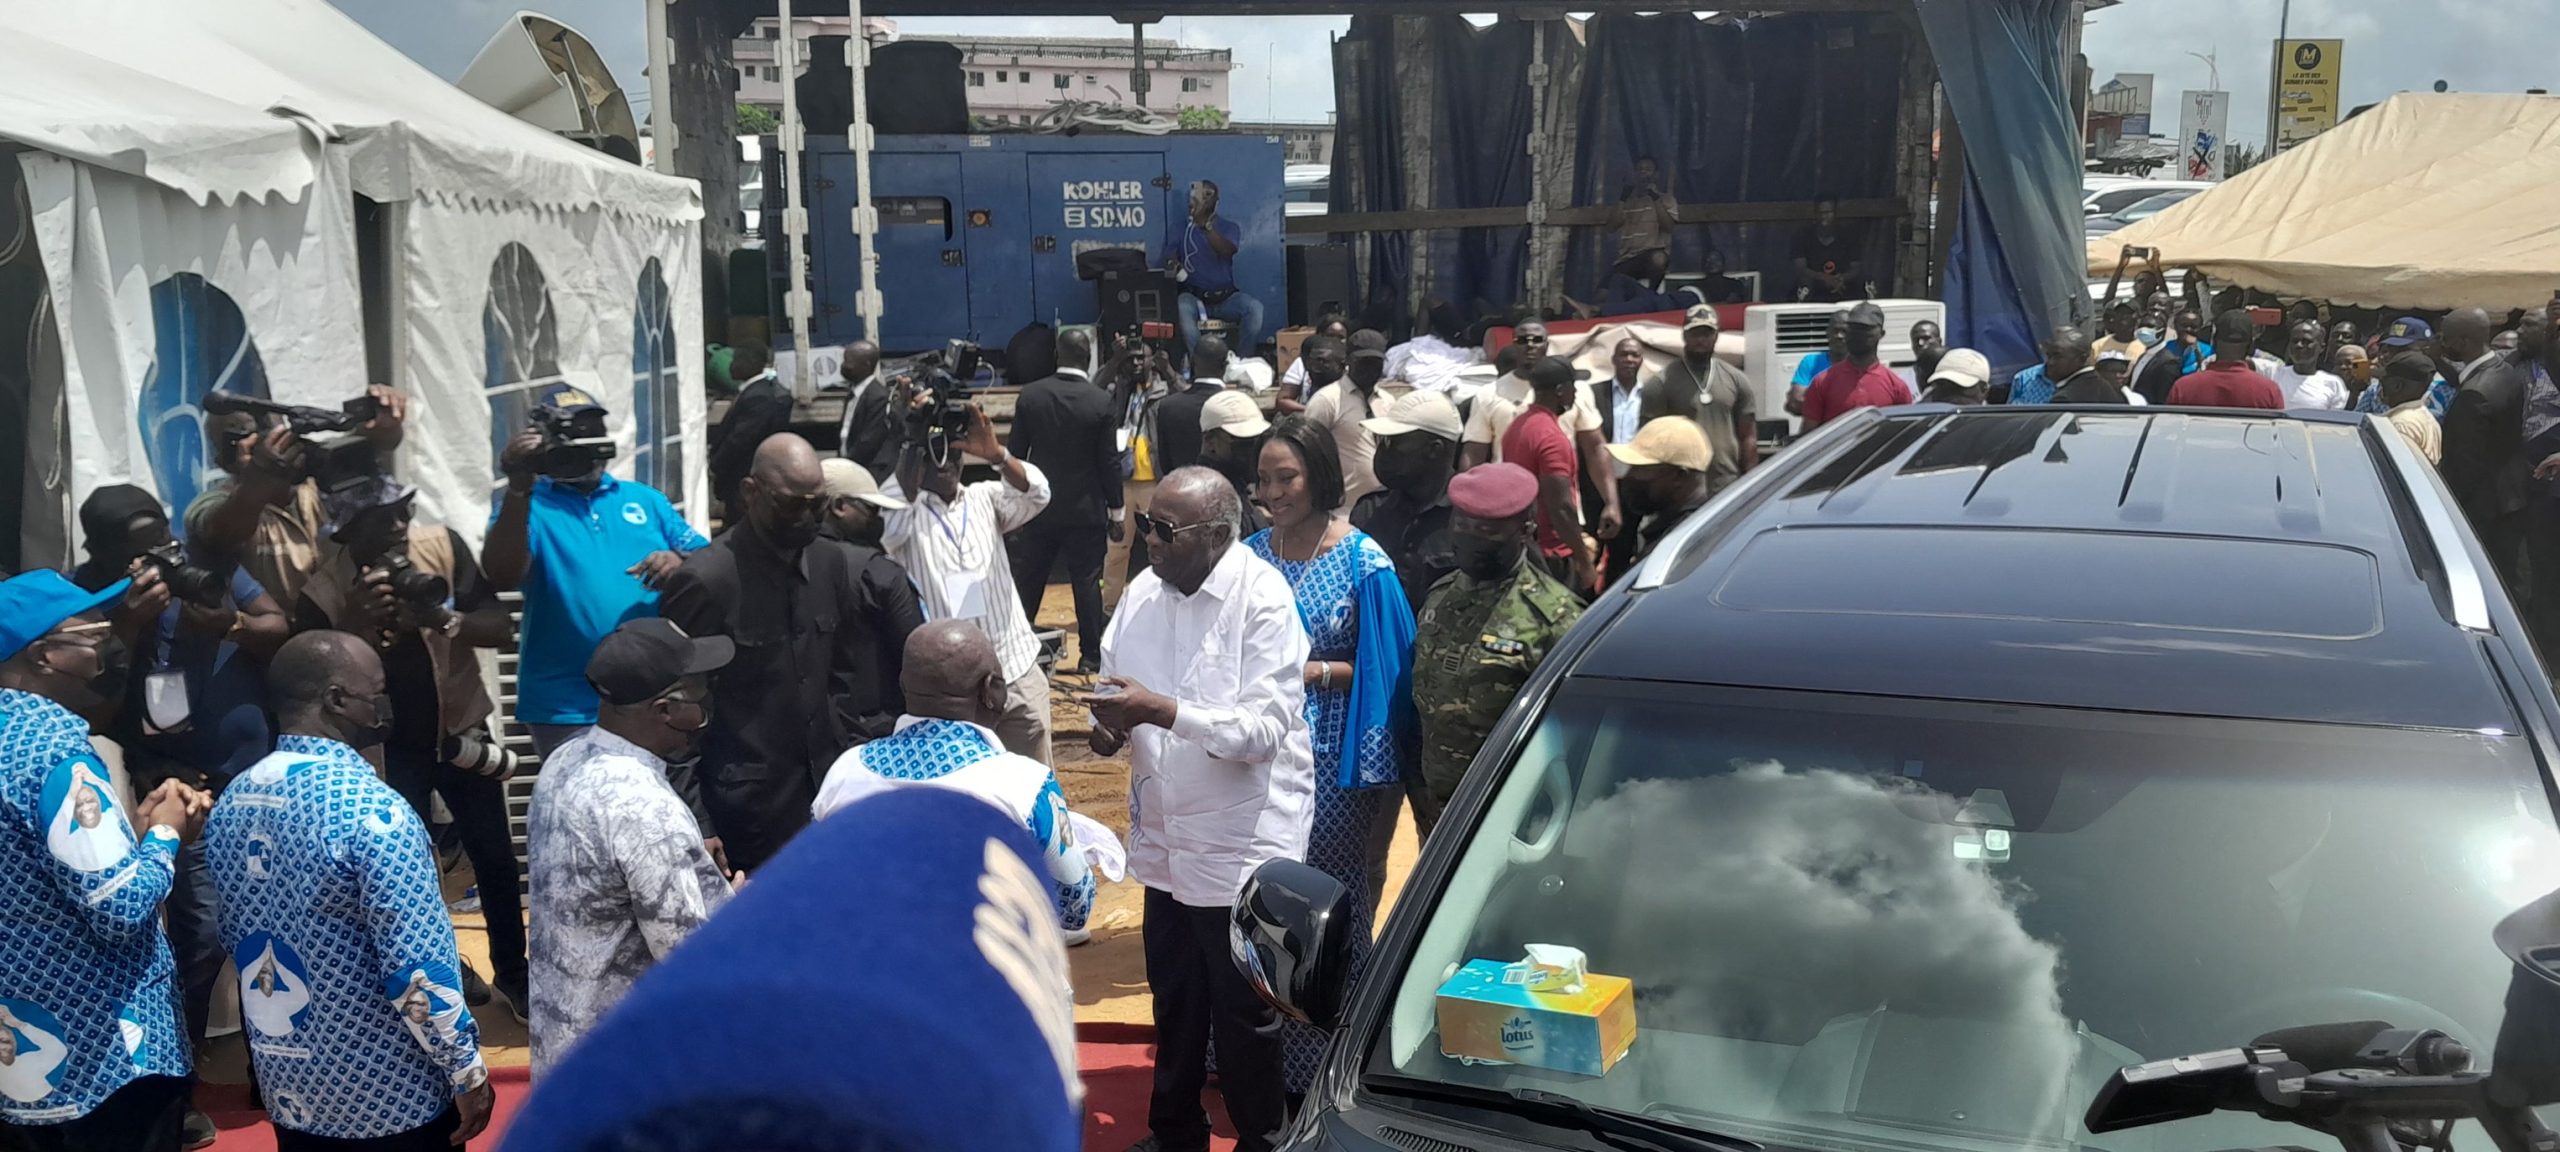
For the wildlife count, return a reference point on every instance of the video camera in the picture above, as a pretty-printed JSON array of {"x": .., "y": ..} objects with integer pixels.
[
  {"x": 567, "y": 447},
  {"x": 943, "y": 424},
  {"x": 335, "y": 456}
]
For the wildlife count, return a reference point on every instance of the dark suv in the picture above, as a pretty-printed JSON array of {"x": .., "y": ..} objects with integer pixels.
[{"x": 1956, "y": 759}]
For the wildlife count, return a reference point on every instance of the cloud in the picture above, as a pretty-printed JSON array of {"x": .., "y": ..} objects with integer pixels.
[{"x": 1833, "y": 895}]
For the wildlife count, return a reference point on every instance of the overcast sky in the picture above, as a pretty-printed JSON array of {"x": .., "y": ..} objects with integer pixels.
[{"x": 1284, "y": 68}]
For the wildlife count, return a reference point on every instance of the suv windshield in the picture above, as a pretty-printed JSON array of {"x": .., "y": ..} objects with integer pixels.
[{"x": 1858, "y": 923}]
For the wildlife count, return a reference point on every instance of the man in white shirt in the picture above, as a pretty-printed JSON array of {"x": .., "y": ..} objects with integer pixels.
[
  {"x": 620, "y": 873},
  {"x": 1203, "y": 679},
  {"x": 1341, "y": 406},
  {"x": 951, "y": 540},
  {"x": 2304, "y": 384},
  {"x": 953, "y": 691}
]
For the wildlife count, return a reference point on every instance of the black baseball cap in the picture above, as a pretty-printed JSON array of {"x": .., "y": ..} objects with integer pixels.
[
  {"x": 1549, "y": 373},
  {"x": 644, "y": 658}
]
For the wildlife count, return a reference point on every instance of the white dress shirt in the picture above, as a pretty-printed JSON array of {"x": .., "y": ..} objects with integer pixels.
[
  {"x": 955, "y": 553},
  {"x": 1626, "y": 409},
  {"x": 2311, "y": 389},
  {"x": 1232, "y": 785},
  {"x": 852, "y": 400}
]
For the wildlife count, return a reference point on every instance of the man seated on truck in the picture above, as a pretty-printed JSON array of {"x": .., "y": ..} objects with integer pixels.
[{"x": 1202, "y": 259}]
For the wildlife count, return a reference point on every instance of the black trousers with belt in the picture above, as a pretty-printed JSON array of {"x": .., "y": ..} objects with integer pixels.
[
  {"x": 1037, "y": 548},
  {"x": 1198, "y": 994},
  {"x": 433, "y": 1136},
  {"x": 479, "y": 807}
]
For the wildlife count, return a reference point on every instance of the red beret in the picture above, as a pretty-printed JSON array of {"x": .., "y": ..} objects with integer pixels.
[{"x": 1493, "y": 491}]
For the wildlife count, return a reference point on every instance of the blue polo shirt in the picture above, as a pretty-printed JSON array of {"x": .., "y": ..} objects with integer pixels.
[
  {"x": 1210, "y": 272},
  {"x": 578, "y": 587}
]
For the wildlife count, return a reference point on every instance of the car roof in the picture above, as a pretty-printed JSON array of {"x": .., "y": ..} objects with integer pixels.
[{"x": 2156, "y": 560}]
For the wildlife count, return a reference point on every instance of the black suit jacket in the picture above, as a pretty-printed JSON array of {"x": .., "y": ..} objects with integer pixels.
[
  {"x": 869, "y": 435},
  {"x": 1178, "y": 425},
  {"x": 2484, "y": 460},
  {"x": 761, "y": 410},
  {"x": 1067, "y": 426}
]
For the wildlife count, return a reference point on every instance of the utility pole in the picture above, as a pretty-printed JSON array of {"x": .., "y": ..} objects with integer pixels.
[
  {"x": 2275, "y": 74},
  {"x": 1137, "y": 58}
]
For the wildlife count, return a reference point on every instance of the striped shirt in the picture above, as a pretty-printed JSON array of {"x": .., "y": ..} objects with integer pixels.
[{"x": 955, "y": 553}]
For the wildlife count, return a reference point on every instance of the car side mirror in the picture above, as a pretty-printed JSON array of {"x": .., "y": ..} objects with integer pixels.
[
  {"x": 2524, "y": 1070},
  {"x": 1291, "y": 936}
]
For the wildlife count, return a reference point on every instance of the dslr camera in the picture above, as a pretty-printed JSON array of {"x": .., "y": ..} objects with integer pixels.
[
  {"x": 419, "y": 590},
  {"x": 943, "y": 424},
  {"x": 193, "y": 583},
  {"x": 565, "y": 446},
  {"x": 334, "y": 455}
]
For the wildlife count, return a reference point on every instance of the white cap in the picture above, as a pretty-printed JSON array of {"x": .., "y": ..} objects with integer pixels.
[
  {"x": 1235, "y": 414},
  {"x": 1420, "y": 411},
  {"x": 1962, "y": 367},
  {"x": 844, "y": 478}
]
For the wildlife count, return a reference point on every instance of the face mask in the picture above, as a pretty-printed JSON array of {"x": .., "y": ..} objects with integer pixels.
[
  {"x": 1484, "y": 559},
  {"x": 380, "y": 729},
  {"x": 1404, "y": 471},
  {"x": 2148, "y": 336},
  {"x": 114, "y": 663},
  {"x": 703, "y": 709}
]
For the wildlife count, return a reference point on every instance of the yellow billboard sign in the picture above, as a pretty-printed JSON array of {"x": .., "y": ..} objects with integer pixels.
[{"x": 2306, "y": 89}]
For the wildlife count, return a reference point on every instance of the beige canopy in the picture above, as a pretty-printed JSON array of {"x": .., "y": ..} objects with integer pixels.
[{"x": 2427, "y": 201}]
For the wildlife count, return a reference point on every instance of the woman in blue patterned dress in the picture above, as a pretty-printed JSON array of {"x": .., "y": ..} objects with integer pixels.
[{"x": 1359, "y": 678}]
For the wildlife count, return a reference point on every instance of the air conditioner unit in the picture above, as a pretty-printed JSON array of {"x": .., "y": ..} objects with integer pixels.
[
  {"x": 1777, "y": 337},
  {"x": 546, "y": 74}
]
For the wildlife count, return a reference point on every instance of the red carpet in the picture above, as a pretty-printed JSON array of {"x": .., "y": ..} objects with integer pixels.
[
  {"x": 1118, "y": 1061},
  {"x": 244, "y": 1125}
]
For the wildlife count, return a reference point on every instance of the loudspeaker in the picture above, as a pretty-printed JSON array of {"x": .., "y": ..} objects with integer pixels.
[
  {"x": 1129, "y": 298},
  {"x": 1320, "y": 281},
  {"x": 546, "y": 74}
]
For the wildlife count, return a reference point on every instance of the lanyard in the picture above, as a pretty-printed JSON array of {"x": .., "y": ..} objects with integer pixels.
[{"x": 960, "y": 538}]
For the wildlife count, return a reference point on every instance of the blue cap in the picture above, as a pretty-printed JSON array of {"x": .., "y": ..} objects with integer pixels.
[
  {"x": 923, "y": 1005},
  {"x": 2406, "y": 331},
  {"x": 31, "y": 604}
]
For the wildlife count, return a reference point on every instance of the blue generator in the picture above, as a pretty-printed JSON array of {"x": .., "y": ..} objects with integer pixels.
[{"x": 980, "y": 235}]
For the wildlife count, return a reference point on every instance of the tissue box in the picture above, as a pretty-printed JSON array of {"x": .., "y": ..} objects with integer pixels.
[{"x": 1488, "y": 1014}]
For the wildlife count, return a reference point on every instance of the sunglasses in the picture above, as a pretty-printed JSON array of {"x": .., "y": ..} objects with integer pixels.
[{"x": 1165, "y": 530}]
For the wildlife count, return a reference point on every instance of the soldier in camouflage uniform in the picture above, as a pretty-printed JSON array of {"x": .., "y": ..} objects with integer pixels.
[{"x": 1484, "y": 628}]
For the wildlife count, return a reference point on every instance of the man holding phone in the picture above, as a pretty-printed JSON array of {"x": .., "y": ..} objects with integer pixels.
[{"x": 1202, "y": 259}]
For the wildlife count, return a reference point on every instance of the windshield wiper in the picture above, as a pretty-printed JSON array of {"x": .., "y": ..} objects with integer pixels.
[{"x": 1619, "y": 1128}]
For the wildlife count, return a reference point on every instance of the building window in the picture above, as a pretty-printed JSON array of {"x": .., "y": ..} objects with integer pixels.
[
  {"x": 1061, "y": 79},
  {"x": 977, "y": 79},
  {"x": 772, "y": 32},
  {"x": 1190, "y": 83},
  {"x": 773, "y": 74},
  {"x": 1088, "y": 78},
  {"x": 1000, "y": 77}
]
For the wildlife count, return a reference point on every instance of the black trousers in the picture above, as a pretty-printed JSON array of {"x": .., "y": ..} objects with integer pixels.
[
  {"x": 1037, "y": 547},
  {"x": 2541, "y": 594},
  {"x": 143, "y": 1116},
  {"x": 433, "y": 1136},
  {"x": 479, "y": 807},
  {"x": 1198, "y": 992}
]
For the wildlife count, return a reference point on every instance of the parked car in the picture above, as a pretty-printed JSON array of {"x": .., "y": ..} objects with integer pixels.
[
  {"x": 2139, "y": 210},
  {"x": 1951, "y": 761},
  {"x": 2107, "y": 200},
  {"x": 1305, "y": 189}
]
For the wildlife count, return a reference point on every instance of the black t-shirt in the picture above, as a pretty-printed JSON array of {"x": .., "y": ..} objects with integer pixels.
[
  {"x": 408, "y": 672},
  {"x": 1828, "y": 257}
]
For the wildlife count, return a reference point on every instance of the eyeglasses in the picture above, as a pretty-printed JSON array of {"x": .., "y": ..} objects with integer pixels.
[{"x": 1165, "y": 530}]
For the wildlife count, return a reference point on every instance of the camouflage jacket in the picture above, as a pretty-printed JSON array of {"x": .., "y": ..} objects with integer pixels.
[{"x": 1474, "y": 649}]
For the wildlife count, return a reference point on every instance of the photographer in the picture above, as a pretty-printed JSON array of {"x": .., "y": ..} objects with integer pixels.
[
  {"x": 265, "y": 512},
  {"x": 418, "y": 596},
  {"x": 951, "y": 538},
  {"x": 588, "y": 551},
  {"x": 195, "y": 707}
]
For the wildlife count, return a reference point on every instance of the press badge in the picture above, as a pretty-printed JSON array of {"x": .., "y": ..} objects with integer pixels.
[
  {"x": 966, "y": 593},
  {"x": 164, "y": 701}
]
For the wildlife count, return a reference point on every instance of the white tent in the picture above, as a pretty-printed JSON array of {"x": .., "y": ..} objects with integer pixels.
[
  {"x": 226, "y": 193},
  {"x": 2426, "y": 201}
]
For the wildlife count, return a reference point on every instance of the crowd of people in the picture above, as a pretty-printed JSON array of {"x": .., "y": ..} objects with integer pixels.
[{"x": 1320, "y": 619}]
